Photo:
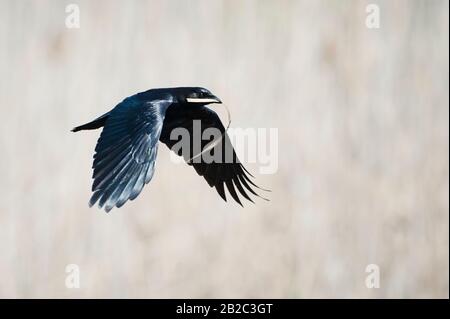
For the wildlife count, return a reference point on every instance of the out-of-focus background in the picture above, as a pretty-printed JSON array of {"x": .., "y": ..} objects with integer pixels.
[{"x": 363, "y": 152}]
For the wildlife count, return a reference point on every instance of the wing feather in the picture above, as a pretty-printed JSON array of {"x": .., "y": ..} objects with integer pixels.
[
  {"x": 220, "y": 174},
  {"x": 126, "y": 151}
]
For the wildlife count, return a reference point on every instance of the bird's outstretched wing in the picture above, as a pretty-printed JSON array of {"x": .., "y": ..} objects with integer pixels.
[
  {"x": 228, "y": 171},
  {"x": 126, "y": 151}
]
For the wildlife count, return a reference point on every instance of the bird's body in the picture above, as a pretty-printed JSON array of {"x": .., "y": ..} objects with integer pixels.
[{"x": 126, "y": 151}]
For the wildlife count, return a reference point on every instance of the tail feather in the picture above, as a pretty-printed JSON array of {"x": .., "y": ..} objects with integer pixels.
[{"x": 95, "y": 124}]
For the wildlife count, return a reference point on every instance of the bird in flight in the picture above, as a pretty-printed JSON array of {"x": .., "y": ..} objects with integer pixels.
[{"x": 125, "y": 154}]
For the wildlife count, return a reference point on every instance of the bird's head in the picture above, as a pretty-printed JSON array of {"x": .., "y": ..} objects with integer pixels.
[{"x": 197, "y": 96}]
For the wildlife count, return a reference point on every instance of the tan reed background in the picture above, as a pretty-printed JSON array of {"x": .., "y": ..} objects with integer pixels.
[{"x": 363, "y": 119}]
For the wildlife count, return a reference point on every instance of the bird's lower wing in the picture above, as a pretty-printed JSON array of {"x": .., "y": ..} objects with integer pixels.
[
  {"x": 226, "y": 172},
  {"x": 125, "y": 153}
]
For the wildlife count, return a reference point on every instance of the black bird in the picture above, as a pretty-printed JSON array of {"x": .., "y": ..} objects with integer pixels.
[{"x": 125, "y": 154}]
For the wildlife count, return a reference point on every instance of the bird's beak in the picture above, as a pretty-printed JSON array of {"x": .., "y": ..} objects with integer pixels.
[{"x": 206, "y": 100}]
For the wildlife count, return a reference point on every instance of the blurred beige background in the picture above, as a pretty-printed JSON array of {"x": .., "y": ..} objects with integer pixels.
[{"x": 363, "y": 149}]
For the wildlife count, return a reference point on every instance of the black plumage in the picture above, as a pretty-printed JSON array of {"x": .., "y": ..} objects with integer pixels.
[{"x": 126, "y": 151}]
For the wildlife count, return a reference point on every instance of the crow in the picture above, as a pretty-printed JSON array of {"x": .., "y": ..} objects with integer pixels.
[{"x": 125, "y": 154}]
